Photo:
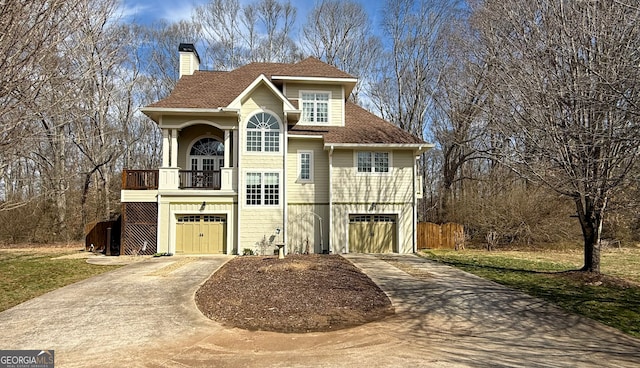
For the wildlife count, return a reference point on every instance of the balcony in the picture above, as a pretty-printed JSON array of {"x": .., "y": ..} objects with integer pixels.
[
  {"x": 165, "y": 178},
  {"x": 140, "y": 179}
]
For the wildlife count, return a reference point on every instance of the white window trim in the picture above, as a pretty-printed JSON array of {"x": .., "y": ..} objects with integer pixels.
[
  {"x": 299, "y": 171},
  {"x": 355, "y": 163},
  {"x": 262, "y": 205},
  {"x": 301, "y": 107},
  {"x": 245, "y": 135}
]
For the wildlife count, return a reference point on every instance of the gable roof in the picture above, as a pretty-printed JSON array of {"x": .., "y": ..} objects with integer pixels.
[
  {"x": 212, "y": 90},
  {"x": 262, "y": 80},
  {"x": 205, "y": 89}
]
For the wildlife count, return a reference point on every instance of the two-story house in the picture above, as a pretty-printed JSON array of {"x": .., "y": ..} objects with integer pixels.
[{"x": 272, "y": 153}]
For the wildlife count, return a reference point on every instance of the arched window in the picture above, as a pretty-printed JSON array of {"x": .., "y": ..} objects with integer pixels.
[
  {"x": 207, "y": 147},
  {"x": 263, "y": 133}
]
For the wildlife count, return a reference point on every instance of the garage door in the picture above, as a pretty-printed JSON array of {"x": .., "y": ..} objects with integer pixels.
[
  {"x": 201, "y": 234},
  {"x": 372, "y": 233}
]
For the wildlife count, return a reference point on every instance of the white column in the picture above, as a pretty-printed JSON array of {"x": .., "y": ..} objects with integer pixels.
[
  {"x": 165, "y": 148},
  {"x": 236, "y": 147},
  {"x": 227, "y": 151},
  {"x": 174, "y": 148}
]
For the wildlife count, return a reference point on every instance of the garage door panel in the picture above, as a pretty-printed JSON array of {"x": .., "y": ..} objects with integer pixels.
[
  {"x": 372, "y": 233},
  {"x": 358, "y": 237},
  {"x": 213, "y": 241},
  {"x": 187, "y": 237},
  {"x": 382, "y": 239},
  {"x": 200, "y": 234}
]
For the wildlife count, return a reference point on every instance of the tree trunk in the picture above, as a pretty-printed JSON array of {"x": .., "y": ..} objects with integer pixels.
[{"x": 591, "y": 223}]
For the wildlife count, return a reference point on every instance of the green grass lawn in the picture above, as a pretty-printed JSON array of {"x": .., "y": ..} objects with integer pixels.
[
  {"x": 611, "y": 299},
  {"x": 27, "y": 274}
]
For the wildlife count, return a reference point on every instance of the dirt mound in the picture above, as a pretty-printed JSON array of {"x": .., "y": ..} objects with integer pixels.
[{"x": 301, "y": 293}]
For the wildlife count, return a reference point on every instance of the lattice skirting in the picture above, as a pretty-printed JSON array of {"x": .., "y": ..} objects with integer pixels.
[{"x": 139, "y": 228}]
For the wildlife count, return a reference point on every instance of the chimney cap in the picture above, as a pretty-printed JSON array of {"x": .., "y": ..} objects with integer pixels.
[{"x": 188, "y": 47}]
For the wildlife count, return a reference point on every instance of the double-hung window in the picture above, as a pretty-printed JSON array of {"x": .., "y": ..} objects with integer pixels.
[
  {"x": 315, "y": 107},
  {"x": 305, "y": 166},
  {"x": 373, "y": 162},
  {"x": 262, "y": 189}
]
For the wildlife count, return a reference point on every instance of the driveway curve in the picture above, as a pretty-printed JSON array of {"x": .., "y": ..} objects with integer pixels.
[{"x": 143, "y": 315}]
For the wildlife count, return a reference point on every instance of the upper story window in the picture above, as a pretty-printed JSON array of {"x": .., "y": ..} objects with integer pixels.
[
  {"x": 305, "y": 166},
  {"x": 263, "y": 133},
  {"x": 315, "y": 107},
  {"x": 373, "y": 162}
]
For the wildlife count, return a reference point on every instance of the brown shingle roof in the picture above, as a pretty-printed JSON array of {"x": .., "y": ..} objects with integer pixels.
[
  {"x": 206, "y": 89},
  {"x": 312, "y": 67},
  {"x": 361, "y": 127}
]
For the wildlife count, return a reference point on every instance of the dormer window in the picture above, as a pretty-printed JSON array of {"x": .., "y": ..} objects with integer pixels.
[
  {"x": 263, "y": 133},
  {"x": 315, "y": 107}
]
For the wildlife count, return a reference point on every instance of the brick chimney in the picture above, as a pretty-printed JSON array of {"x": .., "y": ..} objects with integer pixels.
[{"x": 189, "y": 59}]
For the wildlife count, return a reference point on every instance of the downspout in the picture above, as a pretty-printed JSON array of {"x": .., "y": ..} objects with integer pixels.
[
  {"x": 415, "y": 205},
  {"x": 239, "y": 190},
  {"x": 285, "y": 203},
  {"x": 329, "y": 236}
]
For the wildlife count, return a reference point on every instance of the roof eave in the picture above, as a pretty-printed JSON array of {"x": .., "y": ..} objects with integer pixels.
[
  {"x": 348, "y": 83},
  {"x": 418, "y": 148},
  {"x": 155, "y": 112}
]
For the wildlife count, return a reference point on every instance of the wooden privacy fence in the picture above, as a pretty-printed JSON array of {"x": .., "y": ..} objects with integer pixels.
[
  {"x": 99, "y": 233},
  {"x": 445, "y": 236}
]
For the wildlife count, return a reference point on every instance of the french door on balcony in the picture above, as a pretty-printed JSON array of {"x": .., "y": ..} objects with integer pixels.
[{"x": 205, "y": 171}]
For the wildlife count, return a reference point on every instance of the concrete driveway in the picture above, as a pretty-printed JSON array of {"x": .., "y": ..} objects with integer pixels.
[{"x": 143, "y": 315}]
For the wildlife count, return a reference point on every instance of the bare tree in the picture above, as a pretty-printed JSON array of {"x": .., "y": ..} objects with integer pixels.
[
  {"x": 221, "y": 26},
  {"x": 564, "y": 77},
  {"x": 155, "y": 48},
  {"x": 30, "y": 32},
  {"x": 237, "y": 34},
  {"x": 459, "y": 118},
  {"x": 403, "y": 90},
  {"x": 340, "y": 34}
]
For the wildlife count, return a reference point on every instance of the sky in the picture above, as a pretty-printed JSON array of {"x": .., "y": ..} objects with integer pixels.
[{"x": 146, "y": 11}]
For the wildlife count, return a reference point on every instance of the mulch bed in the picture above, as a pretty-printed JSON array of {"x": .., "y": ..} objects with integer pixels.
[{"x": 301, "y": 293}]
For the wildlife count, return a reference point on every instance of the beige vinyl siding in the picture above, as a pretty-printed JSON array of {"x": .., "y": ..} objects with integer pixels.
[
  {"x": 318, "y": 190},
  {"x": 258, "y": 223},
  {"x": 340, "y": 230},
  {"x": 163, "y": 226},
  {"x": 336, "y": 106},
  {"x": 349, "y": 186},
  {"x": 138, "y": 196},
  {"x": 303, "y": 225},
  {"x": 261, "y": 98}
]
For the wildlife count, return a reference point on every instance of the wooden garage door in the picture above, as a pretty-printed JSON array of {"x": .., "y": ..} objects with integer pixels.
[
  {"x": 372, "y": 233},
  {"x": 201, "y": 234}
]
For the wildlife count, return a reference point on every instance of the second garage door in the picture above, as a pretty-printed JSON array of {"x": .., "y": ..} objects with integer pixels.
[
  {"x": 201, "y": 234},
  {"x": 372, "y": 233}
]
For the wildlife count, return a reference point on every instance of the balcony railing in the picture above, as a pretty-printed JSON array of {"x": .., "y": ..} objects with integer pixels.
[
  {"x": 199, "y": 179},
  {"x": 189, "y": 179},
  {"x": 140, "y": 179}
]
